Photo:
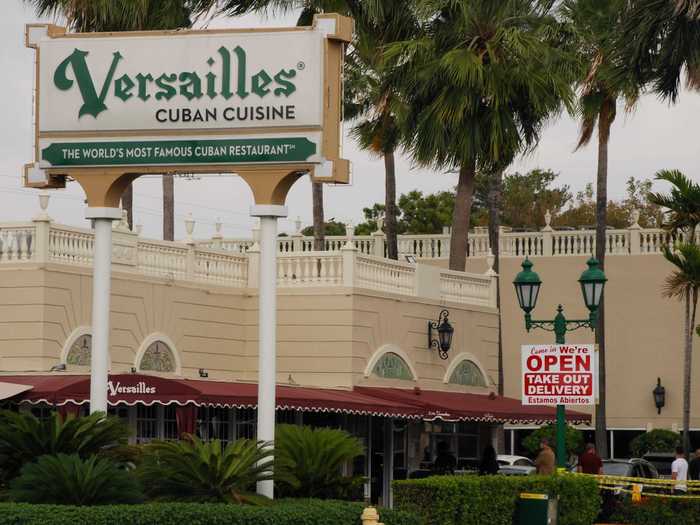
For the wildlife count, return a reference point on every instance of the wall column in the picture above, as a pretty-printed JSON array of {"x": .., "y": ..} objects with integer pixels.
[
  {"x": 267, "y": 327},
  {"x": 101, "y": 289}
]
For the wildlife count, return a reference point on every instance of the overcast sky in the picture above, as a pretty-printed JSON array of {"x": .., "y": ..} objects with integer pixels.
[{"x": 653, "y": 137}]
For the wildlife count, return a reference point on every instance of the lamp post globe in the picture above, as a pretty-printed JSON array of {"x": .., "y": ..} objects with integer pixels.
[
  {"x": 592, "y": 283},
  {"x": 527, "y": 287}
]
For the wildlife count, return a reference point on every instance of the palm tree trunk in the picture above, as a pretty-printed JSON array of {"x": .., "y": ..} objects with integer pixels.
[
  {"x": 128, "y": 204},
  {"x": 460, "y": 220},
  {"x": 691, "y": 305},
  {"x": 390, "y": 206},
  {"x": 495, "y": 191},
  {"x": 319, "y": 227},
  {"x": 605, "y": 120},
  {"x": 168, "y": 207}
]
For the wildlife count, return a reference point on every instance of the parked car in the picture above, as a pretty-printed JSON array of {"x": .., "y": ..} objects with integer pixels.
[
  {"x": 631, "y": 468},
  {"x": 515, "y": 465},
  {"x": 661, "y": 461}
]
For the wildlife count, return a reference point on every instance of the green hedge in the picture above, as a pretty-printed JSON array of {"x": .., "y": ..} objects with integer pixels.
[
  {"x": 492, "y": 500},
  {"x": 284, "y": 512},
  {"x": 654, "y": 511}
]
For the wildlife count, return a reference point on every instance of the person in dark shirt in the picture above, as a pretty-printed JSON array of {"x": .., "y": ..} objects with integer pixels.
[
  {"x": 445, "y": 462},
  {"x": 589, "y": 462},
  {"x": 489, "y": 464},
  {"x": 694, "y": 467}
]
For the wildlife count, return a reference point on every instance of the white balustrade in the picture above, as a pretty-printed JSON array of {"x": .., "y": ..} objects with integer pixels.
[
  {"x": 310, "y": 269},
  {"x": 573, "y": 242},
  {"x": 71, "y": 245},
  {"x": 465, "y": 288},
  {"x": 17, "y": 243},
  {"x": 522, "y": 244},
  {"x": 221, "y": 268},
  {"x": 384, "y": 275},
  {"x": 162, "y": 259}
]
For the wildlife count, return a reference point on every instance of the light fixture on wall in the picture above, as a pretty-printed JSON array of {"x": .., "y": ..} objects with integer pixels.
[
  {"x": 203, "y": 373},
  {"x": 659, "y": 395},
  {"x": 444, "y": 330},
  {"x": 133, "y": 369}
]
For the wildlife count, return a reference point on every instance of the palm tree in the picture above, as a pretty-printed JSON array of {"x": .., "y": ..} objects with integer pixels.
[
  {"x": 594, "y": 24},
  {"x": 684, "y": 284},
  {"x": 194, "y": 470},
  {"x": 682, "y": 218},
  {"x": 661, "y": 39},
  {"x": 124, "y": 15},
  {"x": 479, "y": 82}
]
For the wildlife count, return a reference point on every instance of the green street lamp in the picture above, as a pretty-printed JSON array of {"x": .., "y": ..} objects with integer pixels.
[{"x": 527, "y": 287}]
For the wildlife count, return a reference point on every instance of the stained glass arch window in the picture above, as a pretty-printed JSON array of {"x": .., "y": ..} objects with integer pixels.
[
  {"x": 80, "y": 351},
  {"x": 467, "y": 373},
  {"x": 392, "y": 366},
  {"x": 158, "y": 357}
]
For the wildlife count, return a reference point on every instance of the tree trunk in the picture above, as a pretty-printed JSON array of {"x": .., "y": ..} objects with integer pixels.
[
  {"x": 460, "y": 220},
  {"x": 390, "y": 211},
  {"x": 319, "y": 227},
  {"x": 128, "y": 204},
  {"x": 168, "y": 207},
  {"x": 495, "y": 190},
  {"x": 691, "y": 304},
  {"x": 605, "y": 120}
]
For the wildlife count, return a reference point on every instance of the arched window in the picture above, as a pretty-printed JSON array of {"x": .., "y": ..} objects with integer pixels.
[
  {"x": 79, "y": 353},
  {"x": 467, "y": 373},
  {"x": 158, "y": 358},
  {"x": 392, "y": 366}
]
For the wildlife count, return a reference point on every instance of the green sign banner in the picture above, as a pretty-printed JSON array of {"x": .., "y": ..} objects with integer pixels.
[{"x": 161, "y": 152}]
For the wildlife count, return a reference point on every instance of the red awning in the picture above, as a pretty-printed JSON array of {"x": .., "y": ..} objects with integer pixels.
[
  {"x": 130, "y": 389},
  {"x": 473, "y": 407}
]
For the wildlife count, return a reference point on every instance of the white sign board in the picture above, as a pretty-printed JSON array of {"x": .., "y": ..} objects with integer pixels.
[
  {"x": 565, "y": 374},
  {"x": 200, "y": 99}
]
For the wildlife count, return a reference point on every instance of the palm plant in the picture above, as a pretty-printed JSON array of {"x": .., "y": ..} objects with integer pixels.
[
  {"x": 479, "y": 82},
  {"x": 312, "y": 461},
  {"x": 23, "y": 437},
  {"x": 594, "y": 26},
  {"x": 195, "y": 470},
  {"x": 71, "y": 480},
  {"x": 682, "y": 218},
  {"x": 661, "y": 39},
  {"x": 124, "y": 15},
  {"x": 684, "y": 284}
]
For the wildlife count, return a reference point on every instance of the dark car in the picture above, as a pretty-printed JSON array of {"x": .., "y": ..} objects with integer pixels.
[
  {"x": 662, "y": 461},
  {"x": 630, "y": 468}
]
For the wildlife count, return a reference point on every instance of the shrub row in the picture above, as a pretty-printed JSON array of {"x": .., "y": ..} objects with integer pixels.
[
  {"x": 283, "y": 512},
  {"x": 492, "y": 500},
  {"x": 654, "y": 511}
]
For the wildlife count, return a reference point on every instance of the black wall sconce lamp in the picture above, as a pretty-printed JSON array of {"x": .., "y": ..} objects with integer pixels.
[
  {"x": 659, "y": 395},
  {"x": 203, "y": 373},
  {"x": 444, "y": 332}
]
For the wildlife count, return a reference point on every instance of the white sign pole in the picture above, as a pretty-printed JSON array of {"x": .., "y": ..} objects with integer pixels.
[
  {"x": 267, "y": 327},
  {"x": 101, "y": 289}
]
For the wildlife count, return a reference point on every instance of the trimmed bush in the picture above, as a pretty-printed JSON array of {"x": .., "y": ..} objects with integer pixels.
[
  {"x": 492, "y": 500},
  {"x": 283, "y": 512},
  {"x": 657, "y": 440},
  {"x": 574, "y": 439},
  {"x": 653, "y": 511}
]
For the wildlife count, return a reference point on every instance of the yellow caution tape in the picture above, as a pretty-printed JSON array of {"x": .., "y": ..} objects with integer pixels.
[
  {"x": 528, "y": 495},
  {"x": 636, "y": 487}
]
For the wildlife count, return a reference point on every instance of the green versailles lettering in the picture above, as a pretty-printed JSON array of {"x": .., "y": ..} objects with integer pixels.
[{"x": 229, "y": 69}]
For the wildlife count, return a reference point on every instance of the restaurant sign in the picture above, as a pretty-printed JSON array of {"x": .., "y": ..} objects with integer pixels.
[
  {"x": 182, "y": 98},
  {"x": 564, "y": 374}
]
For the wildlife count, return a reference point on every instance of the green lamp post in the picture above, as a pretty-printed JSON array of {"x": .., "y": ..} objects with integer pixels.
[{"x": 527, "y": 288}]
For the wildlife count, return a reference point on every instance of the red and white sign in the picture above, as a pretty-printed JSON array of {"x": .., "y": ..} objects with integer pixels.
[{"x": 559, "y": 374}]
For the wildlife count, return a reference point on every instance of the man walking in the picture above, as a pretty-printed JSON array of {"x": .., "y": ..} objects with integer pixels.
[
  {"x": 694, "y": 467},
  {"x": 545, "y": 459},
  {"x": 589, "y": 462},
  {"x": 679, "y": 471}
]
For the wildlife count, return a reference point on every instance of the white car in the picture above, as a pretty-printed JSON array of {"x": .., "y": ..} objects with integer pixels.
[{"x": 515, "y": 465}]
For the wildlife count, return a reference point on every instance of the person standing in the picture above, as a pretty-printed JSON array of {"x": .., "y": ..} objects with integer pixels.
[
  {"x": 445, "y": 462},
  {"x": 694, "y": 467},
  {"x": 489, "y": 463},
  {"x": 545, "y": 459},
  {"x": 679, "y": 471},
  {"x": 589, "y": 462}
]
